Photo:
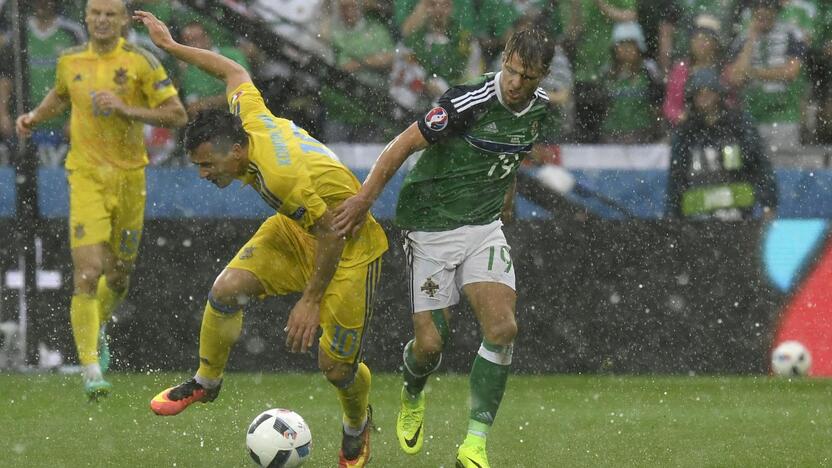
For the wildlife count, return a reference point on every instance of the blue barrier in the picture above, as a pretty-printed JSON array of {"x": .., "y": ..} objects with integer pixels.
[
  {"x": 7, "y": 192},
  {"x": 179, "y": 193}
]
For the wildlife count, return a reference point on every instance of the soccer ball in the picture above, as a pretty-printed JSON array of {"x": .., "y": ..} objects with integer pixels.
[
  {"x": 279, "y": 438},
  {"x": 790, "y": 358}
]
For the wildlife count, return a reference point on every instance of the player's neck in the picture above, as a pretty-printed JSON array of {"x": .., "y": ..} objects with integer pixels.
[{"x": 104, "y": 47}]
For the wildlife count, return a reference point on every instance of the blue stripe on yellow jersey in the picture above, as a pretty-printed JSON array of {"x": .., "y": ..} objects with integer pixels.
[{"x": 297, "y": 175}]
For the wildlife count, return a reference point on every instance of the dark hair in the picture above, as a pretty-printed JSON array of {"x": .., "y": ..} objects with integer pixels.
[
  {"x": 216, "y": 126},
  {"x": 533, "y": 46},
  {"x": 705, "y": 78}
]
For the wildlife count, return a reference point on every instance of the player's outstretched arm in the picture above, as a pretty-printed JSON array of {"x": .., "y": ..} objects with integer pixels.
[
  {"x": 52, "y": 105},
  {"x": 350, "y": 215},
  {"x": 170, "y": 113},
  {"x": 302, "y": 326},
  {"x": 229, "y": 71}
]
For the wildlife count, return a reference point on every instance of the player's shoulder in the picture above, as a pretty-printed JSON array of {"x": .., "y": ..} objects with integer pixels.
[
  {"x": 483, "y": 84},
  {"x": 542, "y": 97},
  {"x": 141, "y": 53},
  {"x": 471, "y": 94}
]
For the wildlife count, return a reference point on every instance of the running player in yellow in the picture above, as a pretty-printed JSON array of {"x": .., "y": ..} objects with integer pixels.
[
  {"x": 296, "y": 250},
  {"x": 113, "y": 88}
]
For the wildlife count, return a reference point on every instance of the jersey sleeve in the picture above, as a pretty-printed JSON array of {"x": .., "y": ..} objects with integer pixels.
[
  {"x": 60, "y": 81},
  {"x": 450, "y": 117},
  {"x": 156, "y": 84},
  {"x": 246, "y": 101}
]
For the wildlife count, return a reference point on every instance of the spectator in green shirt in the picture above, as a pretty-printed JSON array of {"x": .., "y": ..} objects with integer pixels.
[
  {"x": 202, "y": 91},
  {"x": 821, "y": 70},
  {"x": 634, "y": 90},
  {"x": 444, "y": 48},
  {"x": 588, "y": 30},
  {"x": 766, "y": 66},
  {"x": 48, "y": 35},
  {"x": 362, "y": 48},
  {"x": 410, "y": 15}
]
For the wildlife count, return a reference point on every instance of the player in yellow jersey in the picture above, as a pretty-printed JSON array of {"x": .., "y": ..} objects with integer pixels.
[
  {"x": 296, "y": 250},
  {"x": 113, "y": 88}
]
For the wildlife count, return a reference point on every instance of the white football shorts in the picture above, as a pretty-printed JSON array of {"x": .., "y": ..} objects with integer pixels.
[{"x": 441, "y": 263}]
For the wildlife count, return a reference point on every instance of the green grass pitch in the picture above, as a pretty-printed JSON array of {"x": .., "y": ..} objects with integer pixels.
[{"x": 545, "y": 421}]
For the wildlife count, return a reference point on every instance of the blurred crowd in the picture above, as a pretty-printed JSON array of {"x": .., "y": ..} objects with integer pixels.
[{"x": 625, "y": 71}]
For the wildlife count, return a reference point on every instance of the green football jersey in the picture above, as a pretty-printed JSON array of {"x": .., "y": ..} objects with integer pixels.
[
  {"x": 476, "y": 145},
  {"x": 43, "y": 48}
]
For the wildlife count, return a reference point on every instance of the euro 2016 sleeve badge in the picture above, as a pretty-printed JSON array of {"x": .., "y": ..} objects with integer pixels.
[{"x": 437, "y": 119}]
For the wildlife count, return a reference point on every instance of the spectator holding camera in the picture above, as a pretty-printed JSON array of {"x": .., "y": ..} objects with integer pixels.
[{"x": 718, "y": 166}]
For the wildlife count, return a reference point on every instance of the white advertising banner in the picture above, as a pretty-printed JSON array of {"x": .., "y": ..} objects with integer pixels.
[{"x": 621, "y": 157}]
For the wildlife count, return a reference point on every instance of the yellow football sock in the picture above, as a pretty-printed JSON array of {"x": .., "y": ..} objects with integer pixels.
[
  {"x": 218, "y": 334},
  {"x": 83, "y": 315},
  {"x": 108, "y": 300},
  {"x": 354, "y": 399}
]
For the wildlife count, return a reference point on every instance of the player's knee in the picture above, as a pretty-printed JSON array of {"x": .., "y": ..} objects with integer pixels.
[
  {"x": 118, "y": 280},
  {"x": 86, "y": 277},
  {"x": 339, "y": 375},
  {"x": 502, "y": 333},
  {"x": 226, "y": 293},
  {"x": 428, "y": 346}
]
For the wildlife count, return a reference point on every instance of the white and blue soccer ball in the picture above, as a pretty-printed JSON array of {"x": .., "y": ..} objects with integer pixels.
[
  {"x": 791, "y": 359},
  {"x": 279, "y": 438}
]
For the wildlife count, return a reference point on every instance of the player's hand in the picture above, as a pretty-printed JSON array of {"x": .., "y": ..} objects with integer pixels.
[
  {"x": 107, "y": 102},
  {"x": 350, "y": 215},
  {"x": 24, "y": 125},
  {"x": 156, "y": 29},
  {"x": 302, "y": 326}
]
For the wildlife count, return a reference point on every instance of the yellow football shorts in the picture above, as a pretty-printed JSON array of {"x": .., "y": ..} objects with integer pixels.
[
  {"x": 106, "y": 205},
  {"x": 282, "y": 256}
]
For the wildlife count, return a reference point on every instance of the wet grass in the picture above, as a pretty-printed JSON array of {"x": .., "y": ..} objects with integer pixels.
[{"x": 544, "y": 421}]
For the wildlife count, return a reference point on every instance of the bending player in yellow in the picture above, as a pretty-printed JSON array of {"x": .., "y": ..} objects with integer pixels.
[
  {"x": 295, "y": 250},
  {"x": 113, "y": 88}
]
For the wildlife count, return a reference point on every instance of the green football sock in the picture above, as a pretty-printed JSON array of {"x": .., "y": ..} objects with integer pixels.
[
  {"x": 415, "y": 373},
  {"x": 488, "y": 378}
]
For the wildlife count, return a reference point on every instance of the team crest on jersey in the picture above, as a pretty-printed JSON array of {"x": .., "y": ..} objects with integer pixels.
[
  {"x": 80, "y": 231},
  {"x": 121, "y": 76},
  {"x": 437, "y": 119}
]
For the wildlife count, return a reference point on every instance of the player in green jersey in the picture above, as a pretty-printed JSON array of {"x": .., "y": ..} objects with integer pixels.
[{"x": 450, "y": 207}]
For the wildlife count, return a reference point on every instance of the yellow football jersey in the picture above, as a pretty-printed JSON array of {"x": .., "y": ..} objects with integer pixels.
[
  {"x": 297, "y": 175},
  {"x": 131, "y": 73}
]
